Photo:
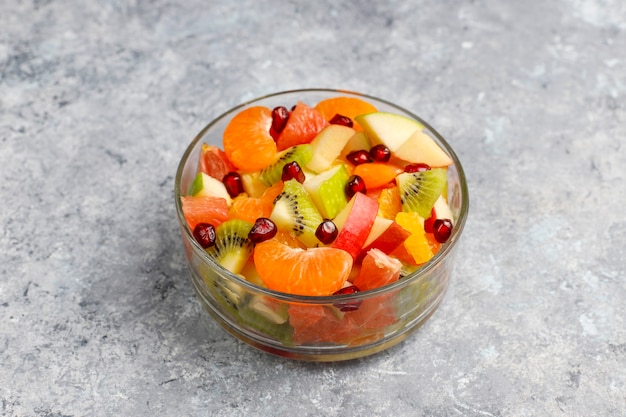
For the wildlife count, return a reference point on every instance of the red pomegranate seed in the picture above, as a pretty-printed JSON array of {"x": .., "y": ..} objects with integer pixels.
[
  {"x": 280, "y": 115},
  {"x": 233, "y": 183},
  {"x": 262, "y": 230},
  {"x": 355, "y": 184},
  {"x": 348, "y": 305},
  {"x": 428, "y": 223},
  {"x": 380, "y": 153},
  {"x": 419, "y": 167},
  {"x": 293, "y": 170},
  {"x": 359, "y": 157},
  {"x": 204, "y": 233},
  {"x": 442, "y": 229},
  {"x": 342, "y": 120},
  {"x": 326, "y": 232}
]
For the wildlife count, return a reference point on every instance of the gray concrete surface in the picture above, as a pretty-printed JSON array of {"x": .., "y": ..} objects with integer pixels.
[{"x": 99, "y": 99}]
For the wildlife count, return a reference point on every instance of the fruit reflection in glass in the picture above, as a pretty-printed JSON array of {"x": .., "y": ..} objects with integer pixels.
[{"x": 320, "y": 224}]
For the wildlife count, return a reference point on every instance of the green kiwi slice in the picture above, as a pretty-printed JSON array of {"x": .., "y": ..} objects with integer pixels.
[
  {"x": 295, "y": 212},
  {"x": 301, "y": 154},
  {"x": 420, "y": 190},
  {"x": 232, "y": 247}
]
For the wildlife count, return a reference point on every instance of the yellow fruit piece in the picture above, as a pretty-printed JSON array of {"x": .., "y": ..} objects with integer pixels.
[
  {"x": 417, "y": 244},
  {"x": 389, "y": 203}
]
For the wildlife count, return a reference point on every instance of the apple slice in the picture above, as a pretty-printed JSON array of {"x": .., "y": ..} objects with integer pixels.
[
  {"x": 327, "y": 146},
  {"x": 206, "y": 186},
  {"x": 327, "y": 190},
  {"x": 390, "y": 129},
  {"x": 386, "y": 236},
  {"x": 357, "y": 142},
  {"x": 420, "y": 147},
  {"x": 442, "y": 209},
  {"x": 355, "y": 222}
]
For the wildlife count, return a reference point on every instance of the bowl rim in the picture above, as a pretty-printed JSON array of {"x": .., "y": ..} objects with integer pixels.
[{"x": 326, "y": 299}]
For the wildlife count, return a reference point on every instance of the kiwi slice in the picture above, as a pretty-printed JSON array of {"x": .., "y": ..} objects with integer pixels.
[
  {"x": 420, "y": 190},
  {"x": 295, "y": 212},
  {"x": 268, "y": 322},
  {"x": 232, "y": 247},
  {"x": 301, "y": 154}
]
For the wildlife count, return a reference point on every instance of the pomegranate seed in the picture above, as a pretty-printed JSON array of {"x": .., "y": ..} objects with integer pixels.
[
  {"x": 429, "y": 222},
  {"x": 342, "y": 120},
  {"x": 419, "y": 167},
  {"x": 262, "y": 230},
  {"x": 348, "y": 305},
  {"x": 359, "y": 157},
  {"x": 355, "y": 185},
  {"x": 280, "y": 115},
  {"x": 293, "y": 170},
  {"x": 233, "y": 184},
  {"x": 326, "y": 232},
  {"x": 380, "y": 153},
  {"x": 204, "y": 233},
  {"x": 442, "y": 229}
]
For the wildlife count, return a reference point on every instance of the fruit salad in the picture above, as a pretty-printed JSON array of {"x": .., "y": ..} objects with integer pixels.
[{"x": 319, "y": 199}]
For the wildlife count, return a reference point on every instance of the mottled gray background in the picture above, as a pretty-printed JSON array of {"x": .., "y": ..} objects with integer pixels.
[{"x": 98, "y": 100}]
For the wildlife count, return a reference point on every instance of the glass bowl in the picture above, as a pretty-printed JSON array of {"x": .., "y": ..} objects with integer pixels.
[{"x": 263, "y": 318}]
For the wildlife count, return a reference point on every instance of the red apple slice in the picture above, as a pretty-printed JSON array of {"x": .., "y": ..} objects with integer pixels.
[
  {"x": 387, "y": 240},
  {"x": 355, "y": 223}
]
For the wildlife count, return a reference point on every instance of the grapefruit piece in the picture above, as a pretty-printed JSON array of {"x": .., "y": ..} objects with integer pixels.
[
  {"x": 374, "y": 313},
  {"x": 303, "y": 125},
  {"x": 247, "y": 141},
  {"x": 314, "y": 271},
  {"x": 377, "y": 269},
  {"x": 318, "y": 324},
  {"x": 214, "y": 162},
  {"x": 213, "y": 210},
  {"x": 345, "y": 106}
]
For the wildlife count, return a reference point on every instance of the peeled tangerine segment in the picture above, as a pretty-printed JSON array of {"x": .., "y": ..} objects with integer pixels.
[
  {"x": 247, "y": 141},
  {"x": 232, "y": 247},
  {"x": 300, "y": 153},
  {"x": 313, "y": 271},
  {"x": 294, "y": 212},
  {"x": 327, "y": 190},
  {"x": 420, "y": 190},
  {"x": 390, "y": 129}
]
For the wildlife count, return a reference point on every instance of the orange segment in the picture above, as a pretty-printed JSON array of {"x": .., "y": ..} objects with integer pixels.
[
  {"x": 376, "y": 174},
  {"x": 249, "y": 208},
  {"x": 377, "y": 269},
  {"x": 247, "y": 141},
  {"x": 303, "y": 125},
  {"x": 314, "y": 271},
  {"x": 213, "y": 210},
  {"x": 416, "y": 244},
  {"x": 389, "y": 203},
  {"x": 346, "y": 106}
]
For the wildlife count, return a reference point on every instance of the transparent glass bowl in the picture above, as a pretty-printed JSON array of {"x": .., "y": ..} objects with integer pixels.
[{"x": 262, "y": 318}]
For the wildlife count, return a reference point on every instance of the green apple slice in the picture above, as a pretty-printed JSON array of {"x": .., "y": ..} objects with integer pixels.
[
  {"x": 357, "y": 142},
  {"x": 327, "y": 190},
  {"x": 420, "y": 147},
  {"x": 389, "y": 129},
  {"x": 327, "y": 146},
  {"x": 206, "y": 186}
]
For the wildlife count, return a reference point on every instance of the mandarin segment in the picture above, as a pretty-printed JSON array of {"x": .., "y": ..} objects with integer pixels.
[
  {"x": 377, "y": 174},
  {"x": 249, "y": 208},
  {"x": 247, "y": 141},
  {"x": 314, "y": 271},
  {"x": 345, "y": 106}
]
